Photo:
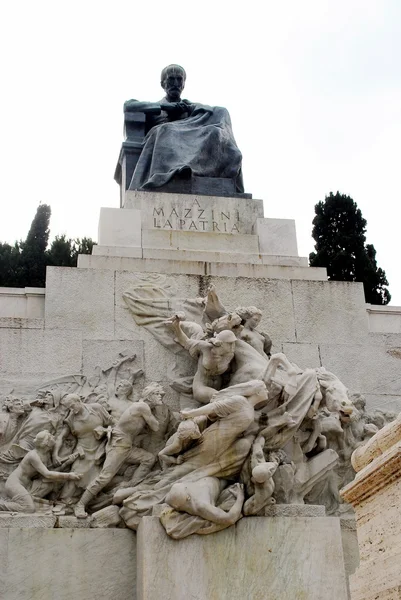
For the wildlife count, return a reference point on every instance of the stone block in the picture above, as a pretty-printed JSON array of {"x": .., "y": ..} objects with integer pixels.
[
  {"x": 71, "y": 522},
  {"x": 287, "y": 261},
  {"x": 277, "y": 236},
  {"x": 131, "y": 251},
  {"x": 367, "y": 368},
  {"x": 303, "y": 355},
  {"x": 150, "y": 265},
  {"x": 81, "y": 299},
  {"x": 202, "y": 256},
  {"x": 259, "y": 558},
  {"x": 387, "y": 402},
  {"x": 350, "y": 545},
  {"x": 27, "y": 521},
  {"x": 330, "y": 312},
  {"x": 18, "y": 323},
  {"x": 384, "y": 319},
  {"x": 194, "y": 241},
  {"x": 65, "y": 564},
  {"x": 119, "y": 227},
  {"x": 34, "y": 351},
  {"x": 25, "y": 303},
  {"x": 295, "y": 510},
  {"x": 375, "y": 495},
  {"x": 195, "y": 213}
]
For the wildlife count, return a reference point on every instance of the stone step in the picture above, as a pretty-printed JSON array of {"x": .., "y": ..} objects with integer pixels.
[
  {"x": 199, "y": 267},
  {"x": 204, "y": 256},
  {"x": 188, "y": 240}
]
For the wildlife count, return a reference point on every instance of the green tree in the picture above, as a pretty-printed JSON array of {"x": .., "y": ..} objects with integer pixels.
[
  {"x": 24, "y": 264},
  {"x": 63, "y": 251},
  {"x": 33, "y": 257},
  {"x": 10, "y": 264},
  {"x": 339, "y": 232}
]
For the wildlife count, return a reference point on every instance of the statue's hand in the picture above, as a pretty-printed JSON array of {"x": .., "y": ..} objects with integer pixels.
[
  {"x": 174, "y": 107},
  {"x": 186, "y": 413}
]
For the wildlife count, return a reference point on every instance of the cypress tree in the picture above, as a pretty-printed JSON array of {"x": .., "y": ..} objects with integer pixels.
[{"x": 339, "y": 232}]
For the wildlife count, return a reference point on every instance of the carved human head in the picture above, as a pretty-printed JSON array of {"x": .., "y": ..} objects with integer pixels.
[
  {"x": 153, "y": 394},
  {"x": 251, "y": 315},
  {"x": 173, "y": 81},
  {"x": 72, "y": 402},
  {"x": 13, "y": 405},
  {"x": 224, "y": 337},
  {"x": 226, "y": 322},
  {"x": 44, "y": 439},
  {"x": 124, "y": 388},
  {"x": 264, "y": 471},
  {"x": 188, "y": 430}
]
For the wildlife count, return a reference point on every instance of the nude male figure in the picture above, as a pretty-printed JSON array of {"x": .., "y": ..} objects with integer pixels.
[
  {"x": 199, "y": 499},
  {"x": 214, "y": 358},
  {"x": 122, "y": 449}
]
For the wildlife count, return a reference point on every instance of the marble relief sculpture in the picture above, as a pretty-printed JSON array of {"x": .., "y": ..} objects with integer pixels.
[{"x": 254, "y": 429}]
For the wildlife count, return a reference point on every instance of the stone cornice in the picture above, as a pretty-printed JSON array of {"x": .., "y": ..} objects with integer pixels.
[{"x": 375, "y": 476}]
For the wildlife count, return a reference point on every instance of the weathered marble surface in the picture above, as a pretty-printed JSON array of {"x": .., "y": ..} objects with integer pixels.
[
  {"x": 375, "y": 495},
  {"x": 65, "y": 564},
  {"x": 273, "y": 559},
  {"x": 179, "y": 211}
]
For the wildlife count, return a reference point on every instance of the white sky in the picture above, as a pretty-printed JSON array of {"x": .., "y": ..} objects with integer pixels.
[{"x": 313, "y": 88}]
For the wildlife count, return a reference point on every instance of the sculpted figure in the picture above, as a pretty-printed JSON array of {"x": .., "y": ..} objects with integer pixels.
[
  {"x": 220, "y": 452},
  {"x": 200, "y": 135},
  {"x": 262, "y": 479},
  {"x": 34, "y": 463},
  {"x": 43, "y": 416},
  {"x": 119, "y": 389},
  {"x": 122, "y": 449},
  {"x": 83, "y": 422},
  {"x": 202, "y": 499},
  {"x": 251, "y": 317},
  {"x": 214, "y": 358},
  {"x": 187, "y": 432},
  {"x": 10, "y": 419}
]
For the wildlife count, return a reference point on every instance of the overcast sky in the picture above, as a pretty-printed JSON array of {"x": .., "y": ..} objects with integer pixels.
[{"x": 313, "y": 88}]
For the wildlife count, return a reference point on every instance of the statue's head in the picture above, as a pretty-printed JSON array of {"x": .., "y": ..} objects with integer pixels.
[
  {"x": 72, "y": 402},
  {"x": 124, "y": 388},
  {"x": 45, "y": 440},
  {"x": 173, "y": 81},
  {"x": 13, "y": 405},
  {"x": 153, "y": 394},
  {"x": 224, "y": 338},
  {"x": 250, "y": 315}
]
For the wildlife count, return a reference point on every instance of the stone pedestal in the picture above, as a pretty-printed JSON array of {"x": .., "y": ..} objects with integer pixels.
[
  {"x": 67, "y": 564},
  {"x": 259, "y": 558},
  {"x": 376, "y": 497}
]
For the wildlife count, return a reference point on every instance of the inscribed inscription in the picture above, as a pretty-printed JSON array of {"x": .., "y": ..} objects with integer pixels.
[{"x": 196, "y": 216}]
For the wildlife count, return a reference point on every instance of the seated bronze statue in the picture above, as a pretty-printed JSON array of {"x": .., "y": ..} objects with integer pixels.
[{"x": 182, "y": 142}]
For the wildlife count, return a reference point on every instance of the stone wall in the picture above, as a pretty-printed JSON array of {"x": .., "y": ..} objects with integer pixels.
[{"x": 86, "y": 323}]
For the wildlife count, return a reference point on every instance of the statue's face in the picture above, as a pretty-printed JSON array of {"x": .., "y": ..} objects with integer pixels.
[
  {"x": 173, "y": 84},
  {"x": 124, "y": 388},
  {"x": 156, "y": 398},
  {"x": 254, "y": 320},
  {"x": 17, "y": 407},
  {"x": 72, "y": 403}
]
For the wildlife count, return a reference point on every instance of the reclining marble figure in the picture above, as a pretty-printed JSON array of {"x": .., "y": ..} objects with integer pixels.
[{"x": 184, "y": 139}]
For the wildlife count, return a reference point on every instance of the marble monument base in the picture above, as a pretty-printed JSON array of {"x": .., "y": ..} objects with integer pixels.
[
  {"x": 260, "y": 558},
  {"x": 37, "y": 563}
]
